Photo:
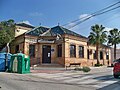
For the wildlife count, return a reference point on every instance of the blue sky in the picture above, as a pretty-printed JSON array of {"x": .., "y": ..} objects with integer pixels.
[{"x": 51, "y": 12}]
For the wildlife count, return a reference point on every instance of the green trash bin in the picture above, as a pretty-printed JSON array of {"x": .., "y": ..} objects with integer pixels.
[{"x": 20, "y": 63}]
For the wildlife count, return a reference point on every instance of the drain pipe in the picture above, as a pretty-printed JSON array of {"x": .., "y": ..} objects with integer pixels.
[{"x": 6, "y": 57}]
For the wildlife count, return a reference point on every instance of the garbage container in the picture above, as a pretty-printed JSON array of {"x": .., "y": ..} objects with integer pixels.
[
  {"x": 3, "y": 61},
  {"x": 20, "y": 63}
]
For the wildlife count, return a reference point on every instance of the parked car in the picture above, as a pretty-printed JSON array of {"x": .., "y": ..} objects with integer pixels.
[{"x": 116, "y": 69}]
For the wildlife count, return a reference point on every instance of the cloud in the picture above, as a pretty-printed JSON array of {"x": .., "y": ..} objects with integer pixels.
[
  {"x": 27, "y": 22},
  {"x": 80, "y": 18},
  {"x": 108, "y": 29},
  {"x": 35, "y": 14},
  {"x": 84, "y": 16}
]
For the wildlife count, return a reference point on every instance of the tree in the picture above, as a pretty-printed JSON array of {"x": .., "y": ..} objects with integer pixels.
[
  {"x": 97, "y": 37},
  {"x": 6, "y": 32},
  {"x": 4, "y": 38},
  {"x": 114, "y": 39}
]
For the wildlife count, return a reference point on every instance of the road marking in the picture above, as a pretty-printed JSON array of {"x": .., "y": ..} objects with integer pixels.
[
  {"x": 103, "y": 84},
  {"x": 87, "y": 81},
  {"x": 77, "y": 79}
]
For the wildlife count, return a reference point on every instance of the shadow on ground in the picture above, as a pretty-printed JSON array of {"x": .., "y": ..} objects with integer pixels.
[{"x": 115, "y": 86}]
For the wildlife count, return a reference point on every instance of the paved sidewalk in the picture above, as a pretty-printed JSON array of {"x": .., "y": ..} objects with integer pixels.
[
  {"x": 100, "y": 69},
  {"x": 47, "y": 70},
  {"x": 60, "y": 70},
  {"x": 98, "y": 77}
]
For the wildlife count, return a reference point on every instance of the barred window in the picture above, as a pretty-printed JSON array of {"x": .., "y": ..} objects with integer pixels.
[
  {"x": 101, "y": 55},
  {"x": 107, "y": 55},
  {"x": 17, "y": 49},
  {"x": 94, "y": 54},
  {"x": 59, "y": 48},
  {"x": 88, "y": 54},
  {"x": 81, "y": 51},
  {"x": 72, "y": 51},
  {"x": 32, "y": 50}
]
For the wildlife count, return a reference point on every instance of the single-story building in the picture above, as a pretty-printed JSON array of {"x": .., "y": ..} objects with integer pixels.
[{"x": 58, "y": 45}]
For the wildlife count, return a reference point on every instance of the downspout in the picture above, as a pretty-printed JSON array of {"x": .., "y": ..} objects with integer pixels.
[{"x": 6, "y": 57}]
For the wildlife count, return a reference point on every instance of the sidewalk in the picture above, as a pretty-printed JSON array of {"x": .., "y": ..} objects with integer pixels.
[
  {"x": 100, "y": 69},
  {"x": 62, "y": 70},
  {"x": 61, "y": 74}
]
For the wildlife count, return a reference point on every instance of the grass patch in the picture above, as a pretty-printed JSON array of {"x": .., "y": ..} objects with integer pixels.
[{"x": 84, "y": 69}]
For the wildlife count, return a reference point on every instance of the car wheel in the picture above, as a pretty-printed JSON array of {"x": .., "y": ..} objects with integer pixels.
[{"x": 116, "y": 76}]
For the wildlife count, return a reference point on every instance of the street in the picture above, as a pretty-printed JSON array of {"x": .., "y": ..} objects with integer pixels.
[
  {"x": 67, "y": 80},
  {"x": 26, "y": 82}
]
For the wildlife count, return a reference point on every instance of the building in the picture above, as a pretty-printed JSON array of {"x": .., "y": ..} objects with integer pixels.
[
  {"x": 117, "y": 54},
  {"x": 60, "y": 46},
  {"x": 22, "y": 28}
]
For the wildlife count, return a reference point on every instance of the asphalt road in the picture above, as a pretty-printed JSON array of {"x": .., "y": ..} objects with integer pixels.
[
  {"x": 59, "y": 81},
  {"x": 25, "y": 82}
]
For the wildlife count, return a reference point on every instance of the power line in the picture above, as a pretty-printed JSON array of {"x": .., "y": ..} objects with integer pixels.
[
  {"x": 94, "y": 13},
  {"x": 104, "y": 20},
  {"x": 88, "y": 16},
  {"x": 93, "y": 16}
]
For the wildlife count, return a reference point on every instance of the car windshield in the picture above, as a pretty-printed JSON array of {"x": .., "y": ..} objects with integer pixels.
[{"x": 117, "y": 60}]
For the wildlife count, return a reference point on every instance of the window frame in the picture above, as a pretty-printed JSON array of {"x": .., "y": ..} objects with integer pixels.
[
  {"x": 59, "y": 50},
  {"x": 88, "y": 54},
  {"x": 17, "y": 49},
  {"x": 94, "y": 55},
  {"x": 101, "y": 53},
  {"x": 33, "y": 49},
  {"x": 73, "y": 53},
  {"x": 107, "y": 55},
  {"x": 81, "y": 51}
]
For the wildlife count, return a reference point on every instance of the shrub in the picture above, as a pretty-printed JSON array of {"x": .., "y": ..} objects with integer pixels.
[
  {"x": 78, "y": 69},
  {"x": 86, "y": 69},
  {"x": 98, "y": 65}
]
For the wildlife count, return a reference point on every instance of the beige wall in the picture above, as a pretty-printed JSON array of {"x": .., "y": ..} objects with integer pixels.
[
  {"x": 20, "y": 30},
  {"x": 65, "y": 59},
  {"x": 117, "y": 54},
  {"x": 104, "y": 50},
  {"x": 68, "y": 59},
  {"x": 18, "y": 41},
  {"x": 84, "y": 61}
]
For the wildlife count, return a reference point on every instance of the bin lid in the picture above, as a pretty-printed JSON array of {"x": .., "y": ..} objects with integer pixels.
[
  {"x": 18, "y": 54},
  {"x": 2, "y": 55}
]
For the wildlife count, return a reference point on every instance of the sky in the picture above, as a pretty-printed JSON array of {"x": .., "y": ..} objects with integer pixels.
[{"x": 51, "y": 12}]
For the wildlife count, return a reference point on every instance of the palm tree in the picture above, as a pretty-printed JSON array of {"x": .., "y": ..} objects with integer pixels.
[
  {"x": 114, "y": 39},
  {"x": 97, "y": 37}
]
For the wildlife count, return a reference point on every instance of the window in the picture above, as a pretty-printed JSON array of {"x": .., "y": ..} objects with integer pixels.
[
  {"x": 107, "y": 55},
  {"x": 72, "y": 51},
  {"x": 32, "y": 50},
  {"x": 17, "y": 49},
  {"x": 88, "y": 54},
  {"x": 94, "y": 54},
  {"x": 101, "y": 55},
  {"x": 59, "y": 48},
  {"x": 18, "y": 30},
  {"x": 81, "y": 51}
]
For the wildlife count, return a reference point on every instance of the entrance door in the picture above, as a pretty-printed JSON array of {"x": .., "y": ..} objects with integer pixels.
[{"x": 46, "y": 54}]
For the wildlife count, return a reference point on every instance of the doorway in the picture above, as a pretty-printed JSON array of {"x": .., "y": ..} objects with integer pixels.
[{"x": 46, "y": 54}]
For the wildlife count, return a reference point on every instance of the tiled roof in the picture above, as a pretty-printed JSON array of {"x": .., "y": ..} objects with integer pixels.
[
  {"x": 25, "y": 25},
  {"x": 44, "y": 31},
  {"x": 61, "y": 30},
  {"x": 37, "y": 31}
]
